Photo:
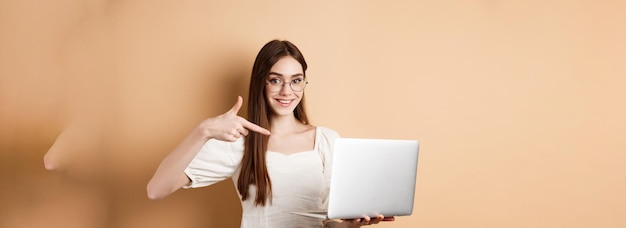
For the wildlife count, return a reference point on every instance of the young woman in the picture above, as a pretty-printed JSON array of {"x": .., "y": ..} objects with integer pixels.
[{"x": 287, "y": 170}]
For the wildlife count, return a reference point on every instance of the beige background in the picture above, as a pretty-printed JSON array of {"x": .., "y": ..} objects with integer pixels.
[{"x": 519, "y": 105}]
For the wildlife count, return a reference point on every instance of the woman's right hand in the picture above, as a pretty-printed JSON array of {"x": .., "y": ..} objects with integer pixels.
[
  {"x": 229, "y": 126},
  {"x": 170, "y": 175}
]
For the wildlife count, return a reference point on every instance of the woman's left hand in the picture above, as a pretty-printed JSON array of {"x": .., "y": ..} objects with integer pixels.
[{"x": 350, "y": 223}]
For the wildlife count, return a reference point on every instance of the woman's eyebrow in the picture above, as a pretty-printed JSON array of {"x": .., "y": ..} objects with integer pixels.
[{"x": 281, "y": 75}]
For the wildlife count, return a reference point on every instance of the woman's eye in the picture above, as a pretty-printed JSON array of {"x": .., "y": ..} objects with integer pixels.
[
  {"x": 275, "y": 81},
  {"x": 297, "y": 81}
]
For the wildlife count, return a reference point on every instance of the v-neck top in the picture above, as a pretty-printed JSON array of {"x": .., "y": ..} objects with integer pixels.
[{"x": 300, "y": 181}]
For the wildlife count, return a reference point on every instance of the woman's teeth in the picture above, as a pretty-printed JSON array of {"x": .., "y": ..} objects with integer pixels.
[{"x": 284, "y": 103}]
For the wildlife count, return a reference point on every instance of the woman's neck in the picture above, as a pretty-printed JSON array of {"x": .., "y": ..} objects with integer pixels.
[{"x": 285, "y": 125}]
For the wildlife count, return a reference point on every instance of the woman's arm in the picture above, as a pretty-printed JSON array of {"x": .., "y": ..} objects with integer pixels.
[{"x": 170, "y": 175}]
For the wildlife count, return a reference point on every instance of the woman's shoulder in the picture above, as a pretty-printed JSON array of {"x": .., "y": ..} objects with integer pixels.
[{"x": 327, "y": 132}]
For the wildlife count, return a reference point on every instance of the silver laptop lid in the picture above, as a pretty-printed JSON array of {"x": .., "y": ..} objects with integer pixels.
[{"x": 383, "y": 172}]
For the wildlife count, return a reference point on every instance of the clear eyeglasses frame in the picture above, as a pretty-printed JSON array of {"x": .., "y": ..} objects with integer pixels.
[{"x": 297, "y": 85}]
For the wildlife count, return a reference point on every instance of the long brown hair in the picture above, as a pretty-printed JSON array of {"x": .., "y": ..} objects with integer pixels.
[{"x": 253, "y": 164}]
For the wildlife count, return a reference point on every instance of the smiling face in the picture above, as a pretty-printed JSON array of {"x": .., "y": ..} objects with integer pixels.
[{"x": 281, "y": 97}]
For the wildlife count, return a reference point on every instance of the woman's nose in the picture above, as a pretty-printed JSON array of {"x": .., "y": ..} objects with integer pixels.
[{"x": 286, "y": 89}]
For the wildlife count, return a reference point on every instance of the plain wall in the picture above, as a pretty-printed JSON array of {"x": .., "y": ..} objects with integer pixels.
[{"x": 518, "y": 105}]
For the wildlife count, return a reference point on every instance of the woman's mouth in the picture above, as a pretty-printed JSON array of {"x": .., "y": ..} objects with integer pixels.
[{"x": 284, "y": 102}]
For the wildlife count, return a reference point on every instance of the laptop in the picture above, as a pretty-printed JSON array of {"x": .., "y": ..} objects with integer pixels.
[{"x": 371, "y": 177}]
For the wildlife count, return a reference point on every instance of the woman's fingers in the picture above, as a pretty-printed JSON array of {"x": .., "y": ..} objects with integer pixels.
[
  {"x": 245, "y": 123},
  {"x": 243, "y": 131},
  {"x": 237, "y": 128},
  {"x": 253, "y": 127},
  {"x": 235, "y": 133},
  {"x": 368, "y": 220},
  {"x": 352, "y": 222},
  {"x": 376, "y": 220},
  {"x": 230, "y": 127},
  {"x": 389, "y": 219},
  {"x": 237, "y": 106},
  {"x": 365, "y": 220}
]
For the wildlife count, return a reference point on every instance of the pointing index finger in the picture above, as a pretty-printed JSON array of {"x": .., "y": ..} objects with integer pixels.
[{"x": 253, "y": 127}]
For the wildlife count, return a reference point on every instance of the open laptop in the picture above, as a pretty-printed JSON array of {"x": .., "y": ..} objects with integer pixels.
[{"x": 371, "y": 177}]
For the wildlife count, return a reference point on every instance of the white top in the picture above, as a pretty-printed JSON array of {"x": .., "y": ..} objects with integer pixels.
[{"x": 300, "y": 181}]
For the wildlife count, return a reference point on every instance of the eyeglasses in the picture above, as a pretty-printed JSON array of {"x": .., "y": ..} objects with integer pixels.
[{"x": 297, "y": 85}]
